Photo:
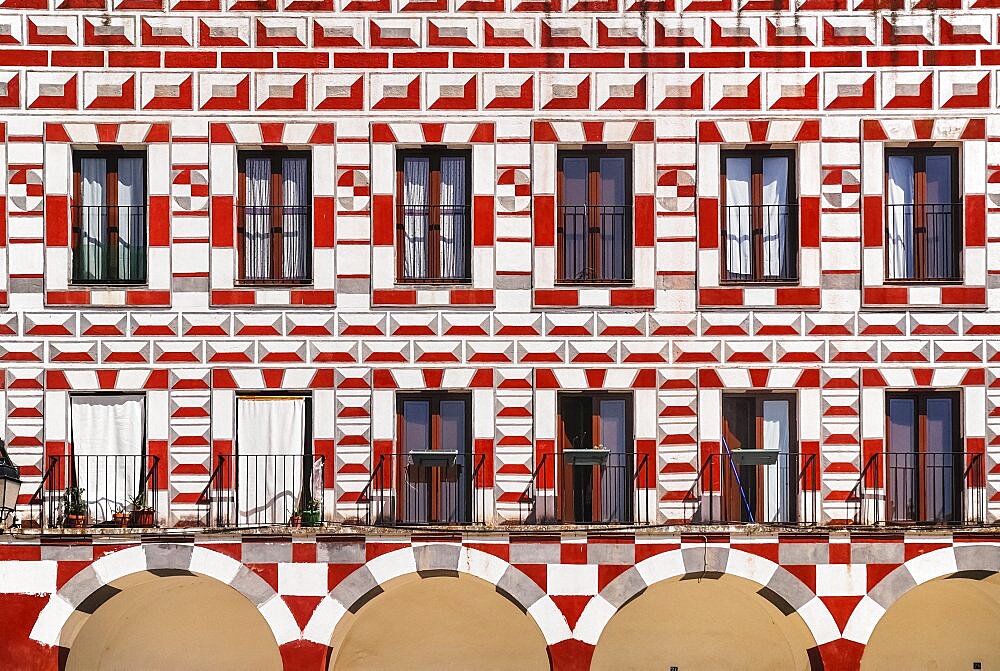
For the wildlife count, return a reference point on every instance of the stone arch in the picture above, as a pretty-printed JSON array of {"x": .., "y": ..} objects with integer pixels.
[
  {"x": 431, "y": 560},
  {"x": 947, "y": 580},
  {"x": 778, "y": 586},
  {"x": 68, "y": 609}
]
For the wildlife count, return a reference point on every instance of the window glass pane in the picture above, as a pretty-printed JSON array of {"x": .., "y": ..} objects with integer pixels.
[
  {"x": 739, "y": 262},
  {"x": 416, "y": 425},
  {"x": 938, "y": 179},
  {"x": 131, "y": 219},
  {"x": 453, "y": 426},
  {"x": 613, "y": 428},
  {"x": 295, "y": 220},
  {"x": 257, "y": 219},
  {"x": 613, "y": 181},
  {"x": 92, "y": 252},
  {"x": 778, "y": 253},
  {"x": 416, "y": 216},
  {"x": 939, "y": 426},
  {"x": 900, "y": 242},
  {"x": 574, "y": 181},
  {"x": 453, "y": 219},
  {"x": 902, "y": 425},
  {"x": 737, "y": 415},
  {"x": 577, "y": 422}
]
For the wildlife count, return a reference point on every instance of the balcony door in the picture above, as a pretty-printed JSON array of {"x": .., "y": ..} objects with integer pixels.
[
  {"x": 109, "y": 217},
  {"x": 108, "y": 441},
  {"x": 272, "y": 460},
  {"x": 759, "y": 489},
  {"x": 435, "y": 465},
  {"x": 923, "y": 459},
  {"x": 591, "y": 490}
]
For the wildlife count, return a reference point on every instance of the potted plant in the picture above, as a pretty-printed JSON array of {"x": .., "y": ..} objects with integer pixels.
[
  {"x": 121, "y": 518},
  {"x": 311, "y": 513},
  {"x": 295, "y": 521},
  {"x": 142, "y": 515},
  {"x": 74, "y": 508}
]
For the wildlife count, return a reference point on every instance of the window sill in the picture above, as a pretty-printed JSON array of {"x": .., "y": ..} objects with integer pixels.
[
  {"x": 957, "y": 282},
  {"x": 273, "y": 284},
  {"x": 593, "y": 284},
  {"x": 104, "y": 286},
  {"x": 761, "y": 284}
]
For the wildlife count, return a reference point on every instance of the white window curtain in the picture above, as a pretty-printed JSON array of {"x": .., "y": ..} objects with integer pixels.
[
  {"x": 900, "y": 218},
  {"x": 777, "y": 261},
  {"x": 416, "y": 218},
  {"x": 296, "y": 224},
  {"x": 108, "y": 444},
  {"x": 616, "y": 491},
  {"x": 738, "y": 218},
  {"x": 270, "y": 446},
  {"x": 779, "y": 506},
  {"x": 453, "y": 218},
  {"x": 257, "y": 220},
  {"x": 131, "y": 219},
  {"x": 93, "y": 219}
]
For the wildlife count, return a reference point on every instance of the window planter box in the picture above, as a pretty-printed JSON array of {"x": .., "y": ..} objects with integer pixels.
[
  {"x": 434, "y": 458},
  {"x": 755, "y": 457},
  {"x": 587, "y": 457}
]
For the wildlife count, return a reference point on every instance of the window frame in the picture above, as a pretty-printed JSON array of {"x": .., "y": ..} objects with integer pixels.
[
  {"x": 109, "y": 154},
  {"x": 276, "y": 157},
  {"x": 434, "y": 153},
  {"x": 594, "y": 153},
  {"x": 920, "y": 398},
  {"x": 757, "y": 155},
  {"x": 920, "y": 151}
]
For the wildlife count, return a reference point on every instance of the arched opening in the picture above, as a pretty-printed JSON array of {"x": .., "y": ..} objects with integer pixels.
[
  {"x": 173, "y": 622},
  {"x": 440, "y": 622},
  {"x": 703, "y": 624},
  {"x": 948, "y": 623}
]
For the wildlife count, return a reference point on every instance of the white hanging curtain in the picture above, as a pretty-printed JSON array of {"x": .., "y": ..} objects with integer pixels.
[
  {"x": 453, "y": 218},
  {"x": 257, "y": 220},
  {"x": 777, "y": 261},
  {"x": 616, "y": 478},
  {"x": 93, "y": 219},
  {"x": 900, "y": 241},
  {"x": 296, "y": 220},
  {"x": 416, "y": 181},
  {"x": 738, "y": 218},
  {"x": 107, "y": 437},
  {"x": 131, "y": 219},
  {"x": 779, "y": 505},
  {"x": 270, "y": 446}
]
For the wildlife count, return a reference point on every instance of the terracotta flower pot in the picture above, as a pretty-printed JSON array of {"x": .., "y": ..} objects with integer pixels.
[
  {"x": 295, "y": 521},
  {"x": 121, "y": 520},
  {"x": 141, "y": 519},
  {"x": 76, "y": 521}
]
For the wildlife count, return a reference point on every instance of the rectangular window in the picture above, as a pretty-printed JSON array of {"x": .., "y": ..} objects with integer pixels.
[
  {"x": 596, "y": 458},
  {"x": 108, "y": 437},
  {"x": 435, "y": 467},
  {"x": 433, "y": 218},
  {"x": 923, "y": 457},
  {"x": 760, "y": 469},
  {"x": 109, "y": 217},
  {"x": 274, "y": 218},
  {"x": 594, "y": 217},
  {"x": 759, "y": 217},
  {"x": 923, "y": 215},
  {"x": 272, "y": 464}
]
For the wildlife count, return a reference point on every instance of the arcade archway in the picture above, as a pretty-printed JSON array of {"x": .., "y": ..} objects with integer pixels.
[
  {"x": 440, "y": 622},
  {"x": 709, "y": 623},
  {"x": 152, "y": 622},
  {"x": 946, "y": 623}
]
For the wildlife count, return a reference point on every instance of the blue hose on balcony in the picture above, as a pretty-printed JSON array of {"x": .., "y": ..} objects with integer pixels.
[{"x": 736, "y": 472}]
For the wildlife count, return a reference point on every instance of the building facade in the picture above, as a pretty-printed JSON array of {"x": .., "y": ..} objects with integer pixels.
[{"x": 648, "y": 334}]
